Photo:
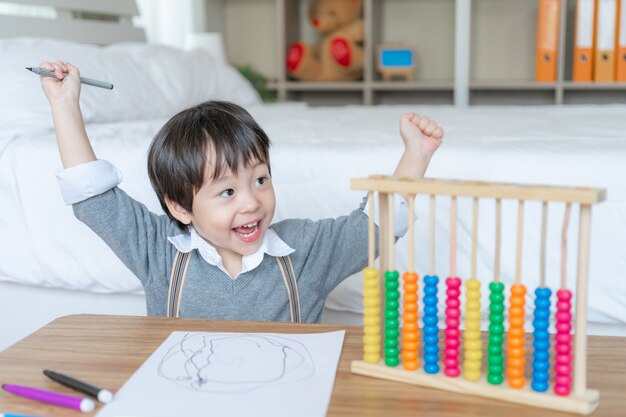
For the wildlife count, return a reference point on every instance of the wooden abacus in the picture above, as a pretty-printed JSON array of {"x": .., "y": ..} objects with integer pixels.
[{"x": 398, "y": 358}]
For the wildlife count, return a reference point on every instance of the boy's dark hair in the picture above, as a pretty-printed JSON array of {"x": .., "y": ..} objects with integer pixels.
[{"x": 177, "y": 162}]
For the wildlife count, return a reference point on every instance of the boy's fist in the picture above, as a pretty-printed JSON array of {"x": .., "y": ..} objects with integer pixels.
[{"x": 420, "y": 131}]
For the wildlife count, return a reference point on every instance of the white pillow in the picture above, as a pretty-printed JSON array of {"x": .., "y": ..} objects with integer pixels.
[{"x": 151, "y": 81}]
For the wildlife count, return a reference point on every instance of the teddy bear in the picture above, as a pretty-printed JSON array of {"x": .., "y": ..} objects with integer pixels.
[{"x": 338, "y": 56}]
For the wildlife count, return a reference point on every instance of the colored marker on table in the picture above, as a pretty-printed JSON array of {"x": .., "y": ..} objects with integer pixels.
[
  {"x": 50, "y": 397},
  {"x": 102, "y": 395},
  {"x": 15, "y": 415}
]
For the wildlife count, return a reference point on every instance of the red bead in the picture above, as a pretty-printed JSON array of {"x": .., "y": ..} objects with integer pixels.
[
  {"x": 563, "y": 295},
  {"x": 453, "y": 372},
  {"x": 563, "y": 380},
  {"x": 563, "y": 327},
  {"x": 563, "y": 338},
  {"x": 562, "y": 369},
  {"x": 563, "y": 359},
  {"x": 451, "y": 362},
  {"x": 561, "y": 390},
  {"x": 563, "y": 349},
  {"x": 453, "y": 333}
]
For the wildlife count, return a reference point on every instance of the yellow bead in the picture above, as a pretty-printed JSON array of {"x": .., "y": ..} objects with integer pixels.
[
  {"x": 471, "y": 335},
  {"x": 472, "y": 283},
  {"x": 370, "y": 330},
  {"x": 473, "y": 344},
  {"x": 371, "y": 302},
  {"x": 475, "y": 355},
  {"x": 471, "y": 375},
  {"x": 371, "y": 358},
  {"x": 370, "y": 273},
  {"x": 472, "y": 366},
  {"x": 371, "y": 320},
  {"x": 473, "y": 316},
  {"x": 472, "y": 305},
  {"x": 371, "y": 348},
  {"x": 371, "y": 311},
  {"x": 371, "y": 339},
  {"x": 371, "y": 292},
  {"x": 371, "y": 283}
]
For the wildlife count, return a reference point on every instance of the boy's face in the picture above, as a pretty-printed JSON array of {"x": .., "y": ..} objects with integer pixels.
[{"x": 233, "y": 212}]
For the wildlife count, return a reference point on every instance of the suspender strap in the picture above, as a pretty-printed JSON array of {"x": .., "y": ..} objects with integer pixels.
[
  {"x": 289, "y": 277},
  {"x": 177, "y": 282},
  {"x": 179, "y": 272}
]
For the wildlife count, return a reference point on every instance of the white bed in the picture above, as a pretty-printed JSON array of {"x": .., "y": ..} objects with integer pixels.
[{"x": 51, "y": 264}]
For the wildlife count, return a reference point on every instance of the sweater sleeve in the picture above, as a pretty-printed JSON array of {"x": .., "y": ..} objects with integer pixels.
[{"x": 136, "y": 235}]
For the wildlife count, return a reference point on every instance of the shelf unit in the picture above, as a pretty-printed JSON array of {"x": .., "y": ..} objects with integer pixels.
[{"x": 469, "y": 52}]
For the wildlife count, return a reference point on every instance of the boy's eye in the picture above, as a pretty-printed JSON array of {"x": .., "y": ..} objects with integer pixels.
[
  {"x": 261, "y": 180},
  {"x": 227, "y": 193}
]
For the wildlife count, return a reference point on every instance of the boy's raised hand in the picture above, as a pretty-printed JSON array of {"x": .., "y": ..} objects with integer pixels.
[
  {"x": 59, "y": 88},
  {"x": 420, "y": 133}
]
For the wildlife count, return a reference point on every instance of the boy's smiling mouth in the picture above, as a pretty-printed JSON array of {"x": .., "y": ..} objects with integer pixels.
[{"x": 248, "y": 232}]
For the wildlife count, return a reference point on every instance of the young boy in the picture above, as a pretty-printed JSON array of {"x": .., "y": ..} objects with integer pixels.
[{"x": 214, "y": 255}]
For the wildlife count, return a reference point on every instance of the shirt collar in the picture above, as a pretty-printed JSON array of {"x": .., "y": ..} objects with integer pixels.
[{"x": 272, "y": 245}]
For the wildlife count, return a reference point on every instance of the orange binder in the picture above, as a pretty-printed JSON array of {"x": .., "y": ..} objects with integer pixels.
[
  {"x": 547, "y": 40},
  {"x": 583, "y": 41},
  {"x": 606, "y": 22},
  {"x": 620, "y": 70}
]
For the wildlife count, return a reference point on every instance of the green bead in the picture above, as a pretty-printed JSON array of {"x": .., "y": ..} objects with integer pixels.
[
  {"x": 494, "y": 349},
  {"x": 496, "y": 359},
  {"x": 393, "y": 275},
  {"x": 496, "y": 298},
  {"x": 392, "y": 361},
  {"x": 496, "y": 287},
  {"x": 392, "y": 332},
  {"x": 495, "y": 369},
  {"x": 496, "y": 328},
  {"x": 392, "y": 285},
  {"x": 496, "y": 339},
  {"x": 392, "y": 323},
  {"x": 391, "y": 342},
  {"x": 495, "y": 379},
  {"x": 392, "y": 304},
  {"x": 496, "y": 308},
  {"x": 392, "y": 294},
  {"x": 391, "y": 352},
  {"x": 391, "y": 314},
  {"x": 496, "y": 318}
]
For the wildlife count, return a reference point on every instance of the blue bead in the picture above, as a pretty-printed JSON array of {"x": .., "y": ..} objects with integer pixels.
[
  {"x": 541, "y": 334},
  {"x": 543, "y": 292},
  {"x": 431, "y": 349},
  {"x": 542, "y": 355},
  {"x": 542, "y": 314},
  {"x": 432, "y": 336},
  {"x": 539, "y": 386},
  {"x": 541, "y": 366},
  {"x": 431, "y": 279},
  {"x": 541, "y": 345},
  {"x": 430, "y": 291},
  {"x": 542, "y": 303},
  {"x": 540, "y": 376},
  {"x": 430, "y": 310},
  {"x": 431, "y": 368},
  {"x": 431, "y": 357},
  {"x": 430, "y": 300},
  {"x": 430, "y": 320}
]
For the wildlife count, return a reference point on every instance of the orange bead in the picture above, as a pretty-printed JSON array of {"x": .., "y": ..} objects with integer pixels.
[
  {"x": 410, "y": 336},
  {"x": 410, "y": 298},
  {"x": 518, "y": 289},
  {"x": 411, "y": 365},
  {"x": 410, "y": 277},
  {"x": 516, "y": 332},
  {"x": 516, "y": 321},
  {"x": 515, "y": 362},
  {"x": 517, "y": 383},
  {"x": 516, "y": 352},
  {"x": 410, "y": 307},
  {"x": 406, "y": 345},
  {"x": 515, "y": 373},
  {"x": 409, "y": 356},
  {"x": 410, "y": 327},
  {"x": 410, "y": 287},
  {"x": 409, "y": 316}
]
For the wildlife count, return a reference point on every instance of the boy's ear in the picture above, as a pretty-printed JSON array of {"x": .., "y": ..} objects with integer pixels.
[{"x": 178, "y": 211}]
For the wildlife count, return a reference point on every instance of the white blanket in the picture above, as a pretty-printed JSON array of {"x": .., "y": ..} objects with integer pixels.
[{"x": 316, "y": 151}]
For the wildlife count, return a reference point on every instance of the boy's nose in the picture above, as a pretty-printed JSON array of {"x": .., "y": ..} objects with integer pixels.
[{"x": 249, "y": 203}]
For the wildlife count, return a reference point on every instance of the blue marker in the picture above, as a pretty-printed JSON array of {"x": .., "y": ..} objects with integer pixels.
[{"x": 14, "y": 415}]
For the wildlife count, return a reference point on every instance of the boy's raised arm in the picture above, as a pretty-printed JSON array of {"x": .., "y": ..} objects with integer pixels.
[
  {"x": 421, "y": 136},
  {"x": 63, "y": 95}
]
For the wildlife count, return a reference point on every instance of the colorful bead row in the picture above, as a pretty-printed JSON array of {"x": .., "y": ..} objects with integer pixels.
[
  {"x": 371, "y": 316},
  {"x": 392, "y": 322},
  {"x": 563, "y": 347},
  {"x": 471, "y": 335},
  {"x": 516, "y": 350},
  {"x": 453, "y": 334},
  {"x": 495, "y": 358},
  {"x": 410, "y": 334},
  {"x": 431, "y": 325},
  {"x": 541, "y": 340}
]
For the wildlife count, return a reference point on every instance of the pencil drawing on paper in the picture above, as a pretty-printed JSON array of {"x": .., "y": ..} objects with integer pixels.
[{"x": 235, "y": 363}]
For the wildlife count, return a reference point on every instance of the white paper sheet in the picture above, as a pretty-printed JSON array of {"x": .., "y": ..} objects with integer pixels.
[{"x": 196, "y": 374}]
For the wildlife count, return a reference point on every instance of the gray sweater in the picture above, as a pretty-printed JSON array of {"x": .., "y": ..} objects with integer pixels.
[{"x": 326, "y": 252}]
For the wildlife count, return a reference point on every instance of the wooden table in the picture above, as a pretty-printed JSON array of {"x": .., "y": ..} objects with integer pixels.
[{"x": 108, "y": 349}]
